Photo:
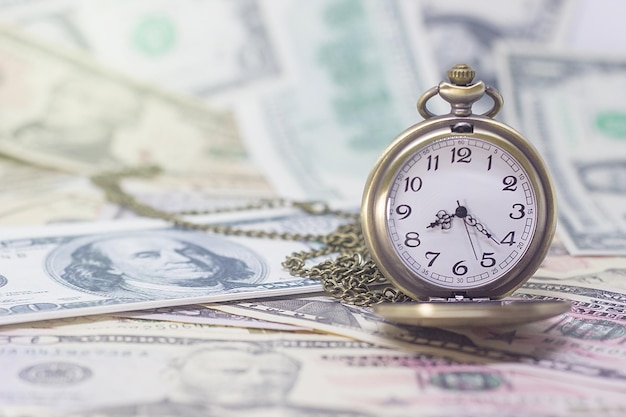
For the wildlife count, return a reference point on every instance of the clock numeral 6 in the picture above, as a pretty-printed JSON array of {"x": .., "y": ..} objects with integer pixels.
[{"x": 459, "y": 268}]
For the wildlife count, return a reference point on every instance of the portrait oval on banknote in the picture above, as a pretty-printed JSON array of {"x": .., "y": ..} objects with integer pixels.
[{"x": 155, "y": 264}]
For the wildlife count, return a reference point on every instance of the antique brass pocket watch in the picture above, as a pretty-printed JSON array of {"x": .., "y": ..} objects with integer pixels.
[{"x": 458, "y": 212}]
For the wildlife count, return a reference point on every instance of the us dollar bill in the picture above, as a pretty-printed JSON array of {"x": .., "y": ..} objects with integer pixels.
[
  {"x": 560, "y": 344},
  {"x": 211, "y": 49},
  {"x": 111, "y": 267},
  {"x": 34, "y": 195},
  {"x": 355, "y": 71},
  {"x": 611, "y": 279},
  {"x": 65, "y": 111},
  {"x": 198, "y": 314},
  {"x": 560, "y": 265},
  {"x": 462, "y": 32},
  {"x": 266, "y": 375},
  {"x": 570, "y": 107},
  {"x": 116, "y": 323}
]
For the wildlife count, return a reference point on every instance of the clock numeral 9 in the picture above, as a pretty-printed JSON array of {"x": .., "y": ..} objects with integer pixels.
[
  {"x": 412, "y": 184},
  {"x": 404, "y": 211}
]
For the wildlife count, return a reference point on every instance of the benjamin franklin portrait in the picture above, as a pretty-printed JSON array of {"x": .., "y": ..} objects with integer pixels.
[{"x": 155, "y": 264}]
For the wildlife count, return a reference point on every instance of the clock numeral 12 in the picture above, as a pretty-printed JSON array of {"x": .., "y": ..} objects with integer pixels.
[{"x": 461, "y": 155}]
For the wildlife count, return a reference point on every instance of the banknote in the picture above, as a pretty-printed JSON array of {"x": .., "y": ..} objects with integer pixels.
[
  {"x": 571, "y": 108},
  {"x": 114, "y": 324},
  {"x": 459, "y": 31},
  {"x": 269, "y": 375},
  {"x": 559, "y": 264},
  {"x": 584, "y": 342},
  {"x": 611, "y": 279},
  {"x": 211, "y": 48},
  {"x": 198, "y": 314},
  {"x": 355, "y": 72},
  {"x": 64, "y": 111},
  {"x": 34, "y": 195},
  {"x": 109, "y": 267}
]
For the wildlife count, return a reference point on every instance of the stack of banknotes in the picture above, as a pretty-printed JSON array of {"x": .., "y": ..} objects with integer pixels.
[{"x": 107, "y": 313}]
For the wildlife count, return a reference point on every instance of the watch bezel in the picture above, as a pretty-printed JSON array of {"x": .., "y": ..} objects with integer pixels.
[{"x": 406, "y": 144}]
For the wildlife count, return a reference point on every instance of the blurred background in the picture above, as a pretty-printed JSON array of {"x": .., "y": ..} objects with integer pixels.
[{"x": 251, "y": 98}]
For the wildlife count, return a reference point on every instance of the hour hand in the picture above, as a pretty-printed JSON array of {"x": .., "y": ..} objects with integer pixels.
[{"x": 444, "y": 219}]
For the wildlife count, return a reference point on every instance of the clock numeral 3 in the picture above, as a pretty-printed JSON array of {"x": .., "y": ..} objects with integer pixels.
[{"x": 520, "y": 210}]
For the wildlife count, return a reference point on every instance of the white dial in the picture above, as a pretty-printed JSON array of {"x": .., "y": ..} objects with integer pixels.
[{"x": 461, "y": 212}]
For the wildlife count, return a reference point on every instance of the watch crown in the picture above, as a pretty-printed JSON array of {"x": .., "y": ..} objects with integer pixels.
[{"x": 461, "y": 74}]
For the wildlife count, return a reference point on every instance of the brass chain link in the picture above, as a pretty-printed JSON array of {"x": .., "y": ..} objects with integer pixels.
[{"x": 351, "y": 276}]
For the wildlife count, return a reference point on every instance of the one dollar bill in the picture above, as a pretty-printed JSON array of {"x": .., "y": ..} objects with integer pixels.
[
  {"x": 572, "y": 108},
  {"x": 63, "y": 110}
]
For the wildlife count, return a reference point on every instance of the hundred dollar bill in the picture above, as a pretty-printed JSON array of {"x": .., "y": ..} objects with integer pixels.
[
  {"x": 571, "y": 107},
  {"x": 209, "y": 48},
  {"x": 111, "y": 267},
  {"x": 270, "y": 375},
  {"x": 355, "y": 69},
  {"x": 62, "y": 110},
  {"x": 560, "y": 344},
  {"x": 197, "y": 314}
]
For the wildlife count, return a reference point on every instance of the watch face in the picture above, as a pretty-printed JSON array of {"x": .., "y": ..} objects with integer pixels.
[{"x": 461, "y": 212}]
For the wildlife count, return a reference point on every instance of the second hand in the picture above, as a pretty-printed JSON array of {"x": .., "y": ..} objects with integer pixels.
[{"x": 468, "y": 232}]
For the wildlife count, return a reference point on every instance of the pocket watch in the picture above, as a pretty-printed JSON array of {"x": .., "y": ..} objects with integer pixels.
[{"x": 458, "y": 212}]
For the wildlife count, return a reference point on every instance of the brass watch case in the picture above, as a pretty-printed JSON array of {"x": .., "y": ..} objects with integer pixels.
[{"x": 412, "y": 140}]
